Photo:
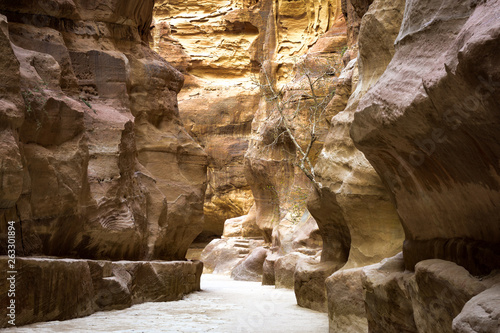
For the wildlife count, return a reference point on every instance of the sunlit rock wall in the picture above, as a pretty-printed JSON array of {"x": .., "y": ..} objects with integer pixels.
[
  {"x": 95, "y": 161},
  {"x": 278, "y": 186},
  {"x": 222, "y": 46}
]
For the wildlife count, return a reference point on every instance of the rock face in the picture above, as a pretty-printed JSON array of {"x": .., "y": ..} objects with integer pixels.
[
  {"x": 251, "y": 268},
  {"x": 222, "y": 46},
  {"x": 429, "y": 299},
  {"x": 284, "y": 269},
  {"x": 242, "y": 226},
  {"x": 95, "y": 161},
  {"x": 60, "y": 289},
  {"x": 435, "y": 142},
  {"x": 356, "y": 218},
  {"x": 481, "y": 313},
  {"x": 221, "y": 256},
  {"x": 214, "y": 43}
]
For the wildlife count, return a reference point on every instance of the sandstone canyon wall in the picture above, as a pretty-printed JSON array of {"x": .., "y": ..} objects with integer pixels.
[
  {"x": 435, "y": 142},
  {"x": 355, "y": 216},
  {"x": 95, "y": 162},
  {"x": 428, "y": 127},
  {"x": 222, "y": 47}
]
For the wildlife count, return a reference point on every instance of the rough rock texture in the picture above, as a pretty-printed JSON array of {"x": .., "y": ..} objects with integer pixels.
[
  {"x": 268, "y": 273},
  {"x": 95, "y": 161},
  {"x": 309, "y": 283},
  {"x": 284, "y": 269},
  {"x": 427, "y": 300},
  {"x": 222, "y": 255},
  {"x": 222, "y": 45},
  {"x": 214, "y": 44},
  {"x": 357, "y": 221},
  {"x": 59, "y": 289},
  {"x": 353, "y": 206},
  {"x": 345, "y": 297},
  {"x": 218, "y": 116},
  {"x": 242, "y": 226},
  {"x": 387, "y": 301},
  {"x": 279, "y": 187},
  {"x": 435, "y": 142},
  {"x": 250, "y": 268}
]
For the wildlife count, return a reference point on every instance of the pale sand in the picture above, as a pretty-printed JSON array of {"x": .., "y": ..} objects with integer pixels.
[{"x": 224, "y": 306}]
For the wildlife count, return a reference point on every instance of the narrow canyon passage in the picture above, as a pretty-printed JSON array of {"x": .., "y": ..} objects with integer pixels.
[{"x": 223, "y": 306}]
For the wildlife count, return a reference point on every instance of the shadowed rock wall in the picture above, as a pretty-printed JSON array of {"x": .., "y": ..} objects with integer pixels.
[
  {"x": 95, "y": 160},
  {"x": 51, "y": 289},
  {"x": 429, "y": 127}
]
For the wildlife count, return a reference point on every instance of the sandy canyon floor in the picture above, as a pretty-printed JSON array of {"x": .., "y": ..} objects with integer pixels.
[{"x": 223, "y": 306}]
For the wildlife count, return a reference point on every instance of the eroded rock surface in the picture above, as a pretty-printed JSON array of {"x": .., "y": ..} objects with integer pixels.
[
  {"x": 435, "y": 142},
  {"x": 221, "y": 256},
  {"x": 251, "y": 267},
  {"x": 222, "y": 47},
  {"x": 60, "y": 289},
  {"x": 429, "y": 299},
  {"x": 480, "y": 314},
  {"x": 358, "y": 222},
  {"x": 95, "y": 161}
]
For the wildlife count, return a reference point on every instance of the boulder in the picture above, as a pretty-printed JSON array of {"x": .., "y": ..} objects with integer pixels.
[
  {"x": 427, "y": 300},
  {"x": 251, "y": 268},
  {"x": 309, "y": 283},
  {"x": 284, "y": 269},
  {"x": 221, "y": 256},
  {"x": 480, "y": 314},
  {"x": 60, "y": 289}
]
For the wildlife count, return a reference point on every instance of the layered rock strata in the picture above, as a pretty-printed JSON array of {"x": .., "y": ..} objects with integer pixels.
[
  {"x": 95, "y": 163},
  {"x": 355, "y": 215},
  {"x": 435, "y": 142},
  {"x": 60, "y": 289},
  {"x": 214, "y": 44},
  {"x": 222, "y": 46}
]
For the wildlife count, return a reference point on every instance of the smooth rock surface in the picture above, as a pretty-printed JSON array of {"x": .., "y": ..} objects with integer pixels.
[
  {"x": 435, "y": 142},
  {"x": 251, "y": 267}
]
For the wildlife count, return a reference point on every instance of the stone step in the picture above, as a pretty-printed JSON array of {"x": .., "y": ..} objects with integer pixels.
[{"x": 242, "y": 240}]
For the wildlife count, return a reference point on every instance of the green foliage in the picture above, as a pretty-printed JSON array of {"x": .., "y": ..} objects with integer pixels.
[
  {"x": 343, "y": 51},
  {"x": 87, "y": 103}
]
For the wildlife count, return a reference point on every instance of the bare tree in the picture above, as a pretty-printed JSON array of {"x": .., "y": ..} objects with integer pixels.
[{"x": 302, "y": 101}]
